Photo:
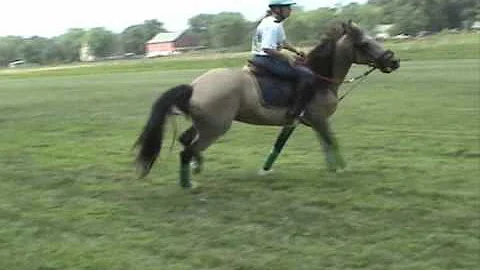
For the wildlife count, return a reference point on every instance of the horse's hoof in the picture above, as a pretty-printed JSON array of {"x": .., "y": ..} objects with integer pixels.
[
  {"x": 263, "y": 172},
  {"x": 196, "y": 167},
  {"x": 193, "y": 186},
  {"x": 186, "y": 185},
  {"x": 332, "y": 166},
  {"x": 332, "y": 170}
]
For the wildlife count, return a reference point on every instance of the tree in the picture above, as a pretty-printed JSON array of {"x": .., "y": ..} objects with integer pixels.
[
  {"x": 134, "y": 37},
  {"x": 297, "y": 30},
  {"x": 38, "y": 50},
  {"x": 151, "y": 28},
  {"x": 318, "y": 22},
  {"x": 434, "y": 15},
  {"x": 369, "y": 16},
  {"x": 409, "y": 20},
  {"x": 70, "y": 44},
  {"x": 201, "y": 25},
  {"x": 9, "y": 49},
  {"x": 349, "y": 12},
  {"x": 229, "y": 29},
  {"x": 101, "y": 41}
]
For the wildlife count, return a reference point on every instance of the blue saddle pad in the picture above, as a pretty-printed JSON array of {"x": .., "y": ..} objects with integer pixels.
[{"x": 276, "y": 92}]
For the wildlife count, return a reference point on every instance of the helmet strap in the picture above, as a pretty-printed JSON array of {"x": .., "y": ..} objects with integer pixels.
[{"x": 278, "y": 15}]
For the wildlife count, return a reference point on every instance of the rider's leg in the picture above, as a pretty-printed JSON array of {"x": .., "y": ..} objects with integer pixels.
[
  {"x": 304, "y": 77},
  {"x": 304, "y": 92},
  {"x": 278, "y": 67}
]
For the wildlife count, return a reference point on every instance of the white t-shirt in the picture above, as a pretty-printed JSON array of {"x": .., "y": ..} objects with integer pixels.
[{"x": 269, "y": 35}]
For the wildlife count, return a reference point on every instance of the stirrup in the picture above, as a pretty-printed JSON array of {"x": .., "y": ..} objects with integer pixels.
[{"x": 293, "y": 120}]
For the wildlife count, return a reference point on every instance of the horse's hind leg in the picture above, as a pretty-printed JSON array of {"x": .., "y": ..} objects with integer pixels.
[
  {"x": 206, "y": 134},
  {"x": 186, "y": 139},
  {"x": 187, "y": 155}
]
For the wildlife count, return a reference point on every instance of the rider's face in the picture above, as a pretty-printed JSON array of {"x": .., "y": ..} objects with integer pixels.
[{"x": 285, "y": 11}]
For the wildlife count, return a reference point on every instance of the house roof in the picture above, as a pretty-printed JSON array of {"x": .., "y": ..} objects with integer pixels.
[{"x": 165, "y": 37}]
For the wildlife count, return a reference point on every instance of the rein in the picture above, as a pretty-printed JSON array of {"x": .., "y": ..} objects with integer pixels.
[
  {"x": 351, "y": 80},
  {"x": 359, "y": 77}
]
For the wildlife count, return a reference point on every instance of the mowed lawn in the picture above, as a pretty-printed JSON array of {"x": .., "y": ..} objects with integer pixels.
[{"x": 70, "y": 199}]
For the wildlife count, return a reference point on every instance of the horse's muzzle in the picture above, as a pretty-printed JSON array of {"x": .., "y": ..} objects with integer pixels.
[{"x": 387, "y": 63}]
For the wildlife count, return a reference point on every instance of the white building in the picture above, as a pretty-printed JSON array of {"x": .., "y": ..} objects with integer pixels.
[
  {"x": 381, "y": 31},
  {"x": 475, "y": 26},
  {"x": 85, "y": 53}
]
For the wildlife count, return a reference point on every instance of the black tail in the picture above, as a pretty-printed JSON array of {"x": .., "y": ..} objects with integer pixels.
[{"x": 150, "y": 140}]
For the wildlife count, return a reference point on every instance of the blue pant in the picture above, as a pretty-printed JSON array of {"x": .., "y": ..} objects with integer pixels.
[{"x": 282, "y": 68}]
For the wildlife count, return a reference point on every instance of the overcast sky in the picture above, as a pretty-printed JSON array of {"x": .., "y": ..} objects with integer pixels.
[{"x": 49, "y": 18}]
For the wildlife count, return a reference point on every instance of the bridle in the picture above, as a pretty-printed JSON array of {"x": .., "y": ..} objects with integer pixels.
[{"x": 378, "y": 62}]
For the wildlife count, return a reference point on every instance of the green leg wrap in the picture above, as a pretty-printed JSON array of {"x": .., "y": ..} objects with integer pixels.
[
  {"x": 185, "y": 176},
  {"x": 278, "y": 146},
  {"x": 270, "y": 160}
]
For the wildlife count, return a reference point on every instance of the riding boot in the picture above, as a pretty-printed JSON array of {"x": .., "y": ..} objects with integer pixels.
[{"x": 303, "y": 94}]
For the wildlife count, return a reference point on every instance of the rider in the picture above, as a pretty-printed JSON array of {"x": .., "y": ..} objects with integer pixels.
[{"x": 268, "y": 40}]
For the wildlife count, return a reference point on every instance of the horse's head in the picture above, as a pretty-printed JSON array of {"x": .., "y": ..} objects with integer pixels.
[{"x": 367, "y": 51}]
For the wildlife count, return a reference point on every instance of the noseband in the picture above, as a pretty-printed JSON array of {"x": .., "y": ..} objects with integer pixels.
[{"x": 378, "y": 61}]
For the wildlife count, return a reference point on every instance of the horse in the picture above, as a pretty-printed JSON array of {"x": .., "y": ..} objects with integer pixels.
[{"x": 220, "y": 96}]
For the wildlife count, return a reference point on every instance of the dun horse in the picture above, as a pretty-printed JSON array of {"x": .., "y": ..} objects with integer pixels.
[{"x": 220, "y": 96}]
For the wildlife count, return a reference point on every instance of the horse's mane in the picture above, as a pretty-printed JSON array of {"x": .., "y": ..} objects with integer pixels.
[{"x": 320, "y": 58}]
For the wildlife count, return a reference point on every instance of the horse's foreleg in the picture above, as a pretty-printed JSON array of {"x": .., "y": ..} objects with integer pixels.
[
  {"x": 282, "y": 138},
  {"x": 330, "y": 145}
]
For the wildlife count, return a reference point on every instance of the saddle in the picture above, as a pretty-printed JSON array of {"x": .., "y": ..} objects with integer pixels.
[
  {"x": 260, "y": 71},
  {"x": 274, "y": 91}
]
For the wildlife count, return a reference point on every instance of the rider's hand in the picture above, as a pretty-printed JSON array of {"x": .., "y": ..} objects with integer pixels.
[{"x": 301, "y": 54}]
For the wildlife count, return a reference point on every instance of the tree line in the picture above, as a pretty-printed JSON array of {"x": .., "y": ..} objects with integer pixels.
[{"x": 232, "y": 30}]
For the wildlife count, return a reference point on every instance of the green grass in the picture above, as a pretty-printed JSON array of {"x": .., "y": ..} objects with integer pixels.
[
  {"x": 438, "y": 47},
  {"x": 69, "y": 198}
]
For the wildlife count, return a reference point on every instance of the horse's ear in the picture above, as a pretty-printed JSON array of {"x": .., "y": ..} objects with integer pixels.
[
  {"x": 351, "y": 27},
  {"x": 347, "y": 27}
]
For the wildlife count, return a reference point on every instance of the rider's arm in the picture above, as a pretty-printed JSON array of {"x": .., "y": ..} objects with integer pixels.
[
  {"x": 285, "y": 44},
  {"x": 273, "y": 52},
  {"x": 289, "y": 47},
  {"x": 274, "y": 40},
  {"x": 279, "y": 55}
]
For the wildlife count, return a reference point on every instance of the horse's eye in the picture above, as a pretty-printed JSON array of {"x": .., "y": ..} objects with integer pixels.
[{"x": 363, "y": 44}]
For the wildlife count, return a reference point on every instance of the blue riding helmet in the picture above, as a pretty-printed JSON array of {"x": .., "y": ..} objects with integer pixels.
[{"x": 281, "y": 3}]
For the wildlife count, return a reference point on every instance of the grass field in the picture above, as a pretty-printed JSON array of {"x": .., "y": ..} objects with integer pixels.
[{"x": 69, "y": 198}]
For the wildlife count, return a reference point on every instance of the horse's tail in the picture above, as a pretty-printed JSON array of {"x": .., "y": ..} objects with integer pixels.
[{"x": 150, "y": 140}]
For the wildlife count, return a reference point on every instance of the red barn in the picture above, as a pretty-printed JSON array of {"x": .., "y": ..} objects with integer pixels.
[{"x": 171, "y": 43}]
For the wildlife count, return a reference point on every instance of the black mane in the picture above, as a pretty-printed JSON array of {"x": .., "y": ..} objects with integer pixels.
[{"x": 320, "y": 59}]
